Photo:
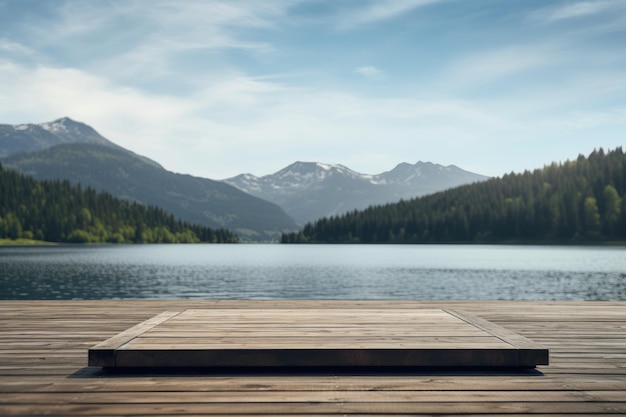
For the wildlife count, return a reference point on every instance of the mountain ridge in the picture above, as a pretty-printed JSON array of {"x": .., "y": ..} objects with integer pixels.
[
  {"x": 33, "y": 137},
  {"x": 53, "y": 150},
  {"x": 311, "y": 190}
]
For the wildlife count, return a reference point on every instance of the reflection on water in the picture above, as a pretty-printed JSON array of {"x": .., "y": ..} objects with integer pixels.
[{"x": 314, "y": 272}]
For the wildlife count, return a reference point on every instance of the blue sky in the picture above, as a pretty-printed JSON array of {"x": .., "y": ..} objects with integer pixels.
[{"x": 218, "y": 88}]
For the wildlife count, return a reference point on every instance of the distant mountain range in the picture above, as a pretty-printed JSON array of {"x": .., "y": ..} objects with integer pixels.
[
  {"x": 308, "y": 191},
  {"x": 256, "y": 208},
  {"x": 66, "y": 149}
]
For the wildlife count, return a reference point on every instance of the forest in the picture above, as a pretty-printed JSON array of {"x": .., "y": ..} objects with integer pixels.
[
  {"x": 576, "y": 201},
  {"x": 56, "y": 211}
]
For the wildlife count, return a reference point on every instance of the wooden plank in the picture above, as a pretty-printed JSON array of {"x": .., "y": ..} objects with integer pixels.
[
  {"x": 313, "y": 382},
  {"x": 362, "y": 408},
  {"x": 530, "y": 353},
  {"x": 316, "y": 396},
  {"x": 103, "y": 354}
]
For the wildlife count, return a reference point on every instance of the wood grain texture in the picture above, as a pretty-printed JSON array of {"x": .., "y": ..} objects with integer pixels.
[
  {"x": 103, "y": 354},
  {"x": 44, "y": 345}
]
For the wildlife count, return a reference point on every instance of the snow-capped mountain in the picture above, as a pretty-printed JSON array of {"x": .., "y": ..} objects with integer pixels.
[
  {"x": 36, "y": 137},
  {"x": 310, "y": 190},
  {"x": 294, "y": 178},
  {"x": 15, "y": 139}
]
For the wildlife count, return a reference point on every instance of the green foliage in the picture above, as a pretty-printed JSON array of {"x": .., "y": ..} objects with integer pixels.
[
  {"x": 592, "y": 218},
  {"x": 612, "y": 210},
  {"x": 580, "y": 200},
  {"x": 56, "y": 211}
]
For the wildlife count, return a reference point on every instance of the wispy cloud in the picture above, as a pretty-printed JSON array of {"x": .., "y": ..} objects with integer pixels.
[
  {"x": 383, "y": 10},
  {"x": 486, "y": 67},
  {"x": 166, "y": 16},
  {"x": 241, "y": 113},
  {"x": 147, "y": 40},
  {"x": 52, "y": 92},
  {"x": 371, "y": 72},
  {"x": 577, "y": 10},
  {"x": 14, "y": 47},
  {"x": 591, "y": 119}
]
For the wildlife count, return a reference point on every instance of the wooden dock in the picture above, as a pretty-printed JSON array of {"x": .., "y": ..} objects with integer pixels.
[{"x": 44, "y": 351}]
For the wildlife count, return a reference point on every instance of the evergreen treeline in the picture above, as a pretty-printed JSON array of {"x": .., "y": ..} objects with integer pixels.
[
  {"x": 577, "y": 201},
  {"x": 56, "y": 211}
]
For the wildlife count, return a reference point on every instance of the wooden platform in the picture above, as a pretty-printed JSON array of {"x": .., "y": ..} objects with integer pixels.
[
  {"x": 44, "y": 346},
  {"x": 317, "y": 338}
]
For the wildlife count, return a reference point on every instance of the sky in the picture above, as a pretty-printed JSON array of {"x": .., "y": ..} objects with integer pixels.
[{"x": 216, "y": 88}]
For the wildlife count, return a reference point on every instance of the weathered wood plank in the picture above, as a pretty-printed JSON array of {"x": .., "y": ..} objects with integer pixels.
[
  {"x": 312, "y": 408},
  {"x": 103, "y": 354},
  {"x": 530, "y": 353},
  {"x": 318, "y": 397},
  {"x": 205, "y": 382}
]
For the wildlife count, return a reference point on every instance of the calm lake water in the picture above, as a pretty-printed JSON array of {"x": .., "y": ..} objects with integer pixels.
[{"x": 419, "y": 272}]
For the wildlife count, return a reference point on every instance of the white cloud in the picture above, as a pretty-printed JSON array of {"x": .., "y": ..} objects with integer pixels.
[
  {"x": 14, "y": 47},
  {"x": 485, "y": 67},
  {"x": 240, "y": 123},
  {"x": 147, "y": 40},
  {"x": 577, "y": 10},
  {"x": 45, "y": 93},
  {"x": 383, "y": 10},
  {"x": 371, "y": 72},
  {"x": 165, "y": 16},
  {"x": 592, "y": 119}
]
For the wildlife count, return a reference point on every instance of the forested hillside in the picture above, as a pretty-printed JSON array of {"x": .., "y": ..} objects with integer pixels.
[
  {"x": 131, "y": 177},
  {"x": 56, "y": 211},
  {"x": 576, "y": 201}
]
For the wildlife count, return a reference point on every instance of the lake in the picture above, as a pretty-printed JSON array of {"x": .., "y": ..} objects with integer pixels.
[{"x": 272, "y": 271}]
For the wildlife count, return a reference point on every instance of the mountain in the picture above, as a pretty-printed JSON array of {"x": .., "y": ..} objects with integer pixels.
[
  {"x": 16, "y": 139},
  {"x": 65, "y": 149},
  {"x": 36, "y": 137},
  {"x": 311, "y": 190},
  {"x": 578, "y": 201}
]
